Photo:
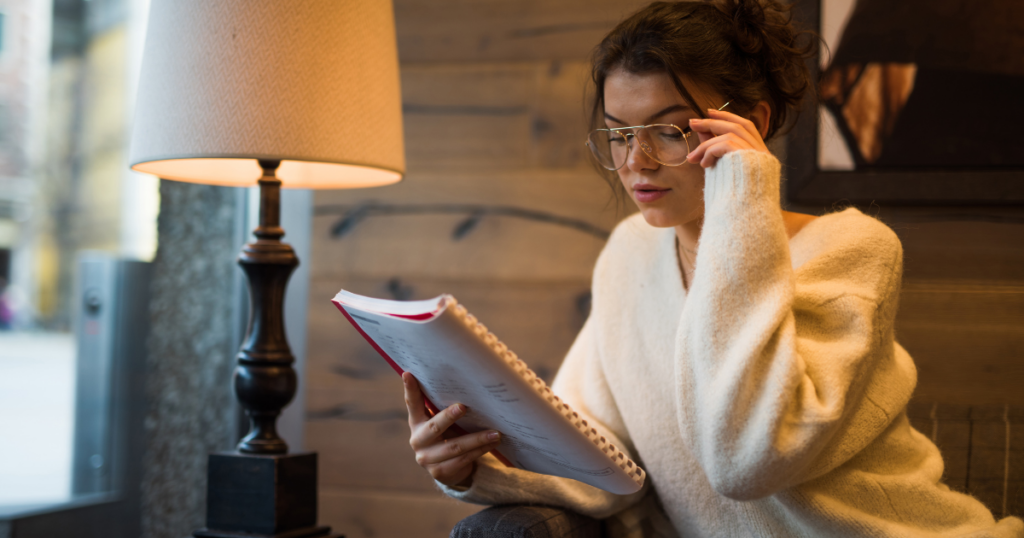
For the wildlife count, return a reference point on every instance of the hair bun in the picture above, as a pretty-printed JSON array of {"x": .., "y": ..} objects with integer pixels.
[
  {"x": 759, "y": 26},
  {"x": 749, "y": 22},
  {"x": 764, "y": 30}
]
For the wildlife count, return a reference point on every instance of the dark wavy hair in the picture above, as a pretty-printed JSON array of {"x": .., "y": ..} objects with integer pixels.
[{"x": 746, "y": 50}]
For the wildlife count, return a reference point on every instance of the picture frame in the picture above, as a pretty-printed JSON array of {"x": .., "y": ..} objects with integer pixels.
[{"x": 807, "y": 184}]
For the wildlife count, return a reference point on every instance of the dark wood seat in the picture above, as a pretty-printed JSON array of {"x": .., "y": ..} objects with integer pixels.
[{"x": 523, "y": 521}]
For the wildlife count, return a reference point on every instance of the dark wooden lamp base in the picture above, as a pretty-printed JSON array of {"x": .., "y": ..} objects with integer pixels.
[
  {"x": 262, "y": 491},
  {"x": 256, "y": 496}
]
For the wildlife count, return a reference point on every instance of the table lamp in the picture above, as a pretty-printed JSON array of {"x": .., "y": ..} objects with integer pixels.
[{"x": 301, "y": 94}]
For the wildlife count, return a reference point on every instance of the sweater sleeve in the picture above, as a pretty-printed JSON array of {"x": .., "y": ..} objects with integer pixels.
[
  {"x": 581, "y": 384},
  {"x": 784, "y": 374}
]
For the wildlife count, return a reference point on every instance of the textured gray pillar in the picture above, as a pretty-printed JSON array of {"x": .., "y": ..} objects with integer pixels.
[{"x": 191, "y": 354}]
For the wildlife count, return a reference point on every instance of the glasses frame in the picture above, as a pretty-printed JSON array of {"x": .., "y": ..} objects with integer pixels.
[{"x": 630, "y": 136}]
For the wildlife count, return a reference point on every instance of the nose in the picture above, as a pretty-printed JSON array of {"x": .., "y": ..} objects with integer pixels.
[{"x": 638, "y": 160}]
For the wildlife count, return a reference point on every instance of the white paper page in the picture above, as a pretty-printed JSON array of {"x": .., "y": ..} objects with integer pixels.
[{"x": 454, "y": 366}]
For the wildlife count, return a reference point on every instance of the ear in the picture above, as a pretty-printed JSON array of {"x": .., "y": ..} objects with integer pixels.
[{"x": 761, "y": 115}]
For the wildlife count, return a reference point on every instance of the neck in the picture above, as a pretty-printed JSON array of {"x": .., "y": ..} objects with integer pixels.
[{"x": 689, "y": 236}]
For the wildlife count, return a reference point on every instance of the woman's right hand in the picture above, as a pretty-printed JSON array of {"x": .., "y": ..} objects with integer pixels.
[{"x": 449, "y": 459}]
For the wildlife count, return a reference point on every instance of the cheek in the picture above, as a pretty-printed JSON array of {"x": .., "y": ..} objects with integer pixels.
[{"x": 691, "y": 178}]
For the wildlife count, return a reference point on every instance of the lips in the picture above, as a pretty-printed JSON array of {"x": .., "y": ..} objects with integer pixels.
[{"x": 645, "y": 193}]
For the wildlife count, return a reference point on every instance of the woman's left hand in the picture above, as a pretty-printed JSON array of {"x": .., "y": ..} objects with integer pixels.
[{"x": 722, "y": 133}]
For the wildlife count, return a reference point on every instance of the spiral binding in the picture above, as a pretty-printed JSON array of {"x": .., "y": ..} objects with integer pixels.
[{"x": 626, "y": 464}]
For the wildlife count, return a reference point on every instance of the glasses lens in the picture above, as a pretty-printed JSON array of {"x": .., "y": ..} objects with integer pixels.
[
  {"x": 665, "y": 143},
  {"x": 609, "y": 148}
]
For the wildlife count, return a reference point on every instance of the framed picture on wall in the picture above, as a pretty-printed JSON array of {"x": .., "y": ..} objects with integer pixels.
[{"x": 920, "y": 102}]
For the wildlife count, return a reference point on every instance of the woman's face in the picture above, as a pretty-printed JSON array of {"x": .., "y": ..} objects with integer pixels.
[{"x": 666, "y": 195}]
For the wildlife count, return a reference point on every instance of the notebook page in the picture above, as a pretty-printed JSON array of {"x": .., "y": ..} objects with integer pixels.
[{"x": 455, "y": 365}]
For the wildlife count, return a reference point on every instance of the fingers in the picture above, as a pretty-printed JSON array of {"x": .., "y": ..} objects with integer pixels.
[
  {"x": 459, "y": 448},
  {"x": 452, "y": 462},
  {"x": 723, "y": 133},
  {"x": 736, "y": 141},
  {"x": 715, "y": 151},
  {"x": 426, "y": 433},
  {"x": 722, "y": 123},
  {"x": 457, "y": 469},
  {"x": 709, "y": 129},
  {"x": 715, "y": 148},
  {"x": 747, "y": 125},
  {"x": 449, "y": 461},
  {"x": 414, "y": 400}
]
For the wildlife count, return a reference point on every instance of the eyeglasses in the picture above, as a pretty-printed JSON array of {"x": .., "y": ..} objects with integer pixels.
[{"x": 665, "y": 143}]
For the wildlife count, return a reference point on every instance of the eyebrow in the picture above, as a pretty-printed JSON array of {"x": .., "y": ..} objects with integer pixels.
[{"x": 666, "y": 110}]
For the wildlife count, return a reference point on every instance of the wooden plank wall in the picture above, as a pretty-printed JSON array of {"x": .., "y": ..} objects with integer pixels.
[
  {"x": 492, "y": 93},
  {"x": 961, "y": 312},
  {"x": 493, "y": 100}
]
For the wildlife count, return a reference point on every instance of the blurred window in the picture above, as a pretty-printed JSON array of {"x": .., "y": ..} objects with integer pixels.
[{"x": 67, "y": 79}]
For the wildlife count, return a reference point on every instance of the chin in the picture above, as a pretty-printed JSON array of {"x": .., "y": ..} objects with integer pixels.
[{"x": 660, "y": 218}]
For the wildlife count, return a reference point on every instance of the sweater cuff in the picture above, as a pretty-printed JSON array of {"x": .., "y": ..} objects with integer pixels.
[
  {"x": 478, "y": 492},
  {"x": 742, "y": 176}
]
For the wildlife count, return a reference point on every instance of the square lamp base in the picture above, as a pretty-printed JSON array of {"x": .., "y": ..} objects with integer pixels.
[{"x": 257, "y": 496}]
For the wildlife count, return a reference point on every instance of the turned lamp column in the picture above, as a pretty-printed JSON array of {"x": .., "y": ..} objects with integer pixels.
[
  {"x": 264, "y": 380},
  {"x": 261, "y": 491}
]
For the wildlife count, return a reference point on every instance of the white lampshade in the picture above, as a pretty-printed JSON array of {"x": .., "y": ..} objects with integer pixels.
[{"x": 313, "y": 83}]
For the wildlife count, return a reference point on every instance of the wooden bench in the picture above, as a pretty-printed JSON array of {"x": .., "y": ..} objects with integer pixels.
[{"x": 983, "y": 448}]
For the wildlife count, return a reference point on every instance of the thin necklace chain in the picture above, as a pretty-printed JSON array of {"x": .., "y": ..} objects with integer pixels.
[{"x": 682, "y": 268}]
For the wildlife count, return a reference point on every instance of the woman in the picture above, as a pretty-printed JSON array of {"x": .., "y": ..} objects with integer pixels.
[{"x": 744, "y": 354}]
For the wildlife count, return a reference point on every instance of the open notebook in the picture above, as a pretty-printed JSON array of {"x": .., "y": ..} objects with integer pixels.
[{"x": 456, "y": 360}]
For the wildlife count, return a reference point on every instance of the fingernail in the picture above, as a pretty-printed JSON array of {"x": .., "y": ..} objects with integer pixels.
[
  {"x": 694, "y": 120},
  {"x": 459, "y": 409},
  {"x": 493, "y": 436}
]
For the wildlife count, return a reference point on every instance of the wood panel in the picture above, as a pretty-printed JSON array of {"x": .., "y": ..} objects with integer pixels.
[
  {"x": 363, "y": 441},
  {"x": 949, "y": 427},
  {"x": 997, "y": 458},
  {"x": 578, "y": 194},
  {"x": 489, "y": 117},
  {"x": 983, "y": 450},
  {"x": 501, "y": 248},
  {"x": 497, "y": 30},
  {"x": 367, "y": 513},
  {"x": 537, "y": 320},
  {"x": 497, "y": 248},
  {"x": 967, "y": 339},
  {"x": 953, "y": 249}
]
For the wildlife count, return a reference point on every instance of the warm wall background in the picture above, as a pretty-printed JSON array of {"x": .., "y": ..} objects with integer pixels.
[
  {"x": 493, "y": 100},
  {"x": 492, "y": 93}
]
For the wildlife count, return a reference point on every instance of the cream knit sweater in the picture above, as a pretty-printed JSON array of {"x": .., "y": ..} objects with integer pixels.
[{"x": 769, "y": 399}]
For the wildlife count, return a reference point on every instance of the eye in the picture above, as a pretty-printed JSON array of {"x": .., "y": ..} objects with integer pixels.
[{"x": 670, "y": 133}]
